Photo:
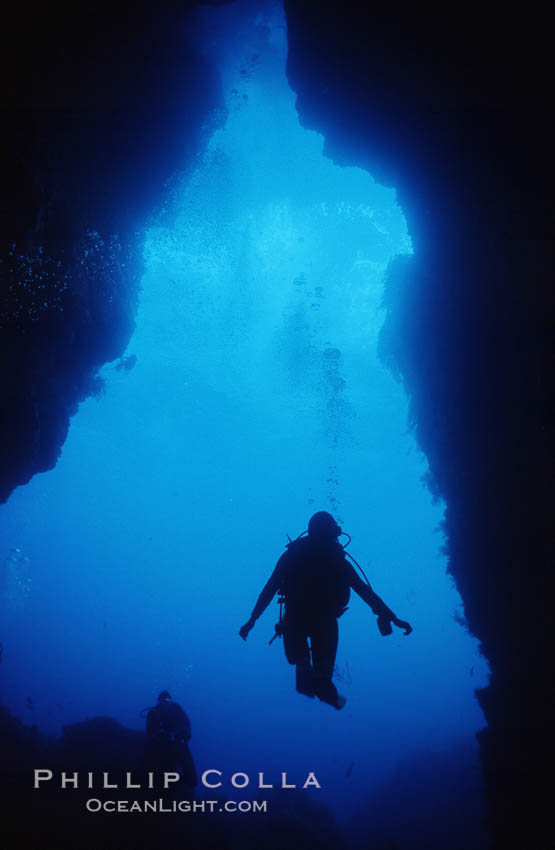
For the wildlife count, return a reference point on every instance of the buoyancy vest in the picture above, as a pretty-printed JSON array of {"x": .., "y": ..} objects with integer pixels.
[
  {"x": 315, "y": 578},
  {"x": 168, "y": 716}
]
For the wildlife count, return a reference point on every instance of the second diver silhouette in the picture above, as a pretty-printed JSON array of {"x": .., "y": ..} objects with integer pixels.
[
  {"x": 314, "y": 580},
  {"x": 168, "y": 732}
]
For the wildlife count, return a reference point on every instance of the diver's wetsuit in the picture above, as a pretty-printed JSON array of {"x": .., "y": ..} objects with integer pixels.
[
  {"x": 315, "y": 578},
  {"x": 168, "y": 731}
]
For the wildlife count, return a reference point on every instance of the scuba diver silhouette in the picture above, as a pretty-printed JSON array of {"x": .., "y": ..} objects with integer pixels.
[
  {"x": 168, "y": 731},
  {"x": 313, "y": 579}
]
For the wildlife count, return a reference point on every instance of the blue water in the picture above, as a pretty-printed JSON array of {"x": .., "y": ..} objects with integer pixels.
[{"x": 257, "y": 398}]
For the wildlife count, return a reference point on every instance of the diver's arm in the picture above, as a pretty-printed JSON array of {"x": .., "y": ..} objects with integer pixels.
[
  {"x": 268, "y": 592},
  {"x": 366, "y": 593},
  {"x": 385, "y": 615}
]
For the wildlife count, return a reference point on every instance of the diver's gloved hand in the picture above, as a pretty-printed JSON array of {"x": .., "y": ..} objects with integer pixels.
[
  {"x": 402, "y": 624},
  {"x": 244, "y": 630},
  {"x": 384, "y": 625}
]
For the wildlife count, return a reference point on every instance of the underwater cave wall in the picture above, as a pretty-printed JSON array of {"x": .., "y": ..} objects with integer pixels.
[
  {"x": 454, "y": 111},
  {"x": 451, "y": 110},
  {"x": 99, "y": 111}
]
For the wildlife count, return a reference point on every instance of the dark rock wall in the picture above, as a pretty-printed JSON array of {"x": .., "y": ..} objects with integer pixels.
[
  {"x": 100, "y": 106},
  {"x": 55, "y": 817},
  {"x": 453, "y": 106}
]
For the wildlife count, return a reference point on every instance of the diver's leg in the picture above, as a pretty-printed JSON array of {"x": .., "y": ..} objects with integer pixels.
[
  {"x": 324, "y": 638},
  {"x": 297, "y": 652}
]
